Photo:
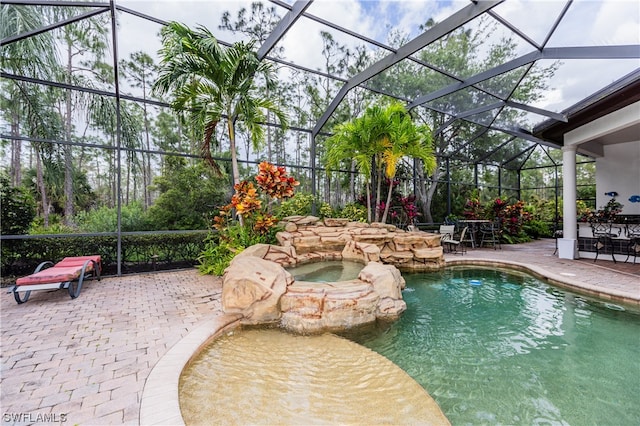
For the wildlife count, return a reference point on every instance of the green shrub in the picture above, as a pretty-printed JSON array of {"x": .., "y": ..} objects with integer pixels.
[
  {"x": 537, "y": 229},
  {"x": 18, "y": 208},
  {"x": 105, "y": 219},
  {"x": 355, "y": 212},
  {"x": 55, "y": 226},
  {"x": 325, "y": 210},
  {"x": 139, "y": 252},
  {"x": 215, "y": 257},
  {"x": 188, "y": 196},
  {"x": 299, "y": 205},
  {"x": 221, "y": 247}
]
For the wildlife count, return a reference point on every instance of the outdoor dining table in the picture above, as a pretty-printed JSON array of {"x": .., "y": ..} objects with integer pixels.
[{"x": 474, "y": 229}]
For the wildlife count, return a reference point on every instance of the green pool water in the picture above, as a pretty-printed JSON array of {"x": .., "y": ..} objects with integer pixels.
[
  {"x": 328, "y": 271},
  {"x": 514, "y": 350}
]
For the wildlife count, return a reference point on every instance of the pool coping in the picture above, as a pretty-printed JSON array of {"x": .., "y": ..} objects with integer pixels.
[{"x": 160, "y": 403}]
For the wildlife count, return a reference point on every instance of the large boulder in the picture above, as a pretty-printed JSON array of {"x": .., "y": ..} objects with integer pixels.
[
  {"x": 387, "y": 282},
  {"x": 361, "y": 252},
  {"x": 310, "y": 307},
  {"x": 252, "y": 287}
]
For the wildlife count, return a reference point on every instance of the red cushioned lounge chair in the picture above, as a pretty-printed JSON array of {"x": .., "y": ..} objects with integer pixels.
[{"x": 69, "y": 273}]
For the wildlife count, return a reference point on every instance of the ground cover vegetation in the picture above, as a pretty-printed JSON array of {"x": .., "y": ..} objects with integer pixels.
[{"x": 74, "y": 159}]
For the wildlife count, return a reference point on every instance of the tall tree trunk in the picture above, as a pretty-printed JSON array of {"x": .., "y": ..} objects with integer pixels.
[
  {"x": 68, "y": 152},
  {"x": 43, "y": 191},
  {"x": 426, "y": 188},
  {"x": 232, "y": 147},
  {"x": 16, "y": 152},
  {"x": 128, "y": 177},
  {"x": 352, "y": 182},
  {"x": 298, "y": 147},
  {"x": 114, "y": 178},
  {"x": 368, "y": 202},
  {"x": 327, "y": 187},
  {"x": 136, "y": 167},
  {"x": 234, "y": 157},
  {"x": 386, "y": 207},
  {"x": 378, "y": 194},
  {"x": 146, "y": 158},
  {"x": 98, "y": 177},
  {"x": 337, "y": 194}
]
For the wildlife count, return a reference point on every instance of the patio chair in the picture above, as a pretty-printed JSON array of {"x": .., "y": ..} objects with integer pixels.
[
  {"x": 446, "y": 232},
  {"x": 632, "y": 230},
  {"x": 69, "y": 273},
  {"x": 452, "y": 243},
  {"x": 604, "y": 234},
  {"x": 491, "y": 233}
]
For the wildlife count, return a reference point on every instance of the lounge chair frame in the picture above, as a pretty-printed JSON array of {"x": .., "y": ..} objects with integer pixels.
[{"x": 90, "y": 267}]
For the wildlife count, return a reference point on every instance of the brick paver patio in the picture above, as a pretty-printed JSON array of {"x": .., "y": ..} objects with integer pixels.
[{"x": 85, "y": 361}]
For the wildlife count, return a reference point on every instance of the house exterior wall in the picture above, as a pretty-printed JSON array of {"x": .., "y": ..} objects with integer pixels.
[
  {"x": 617, "y": 168},
  {"x": 619, "y": 171}
]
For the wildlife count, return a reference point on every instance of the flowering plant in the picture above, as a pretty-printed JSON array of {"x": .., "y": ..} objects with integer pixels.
[
  {"x": 472, "y": 209},
  {"x": 607, "y": 213},
  {"x": 498, "y": 207},
  {"x": 409, "y": 207}
]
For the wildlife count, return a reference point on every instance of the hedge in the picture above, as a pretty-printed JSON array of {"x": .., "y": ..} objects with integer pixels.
[{"x": 140, "y": 251}]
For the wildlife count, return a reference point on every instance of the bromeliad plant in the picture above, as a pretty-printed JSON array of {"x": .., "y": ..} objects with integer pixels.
[{"x": 248, "y": 219}]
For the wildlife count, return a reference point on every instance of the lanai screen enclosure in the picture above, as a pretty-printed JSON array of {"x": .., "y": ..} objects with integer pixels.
[{"x": 83, "y": 129}]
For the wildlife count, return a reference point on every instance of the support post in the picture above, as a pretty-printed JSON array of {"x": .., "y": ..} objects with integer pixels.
[{"x": 568, "y": 244}]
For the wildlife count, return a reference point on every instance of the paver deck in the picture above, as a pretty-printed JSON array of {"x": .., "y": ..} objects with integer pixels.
[{"x": 86, "y": 361}]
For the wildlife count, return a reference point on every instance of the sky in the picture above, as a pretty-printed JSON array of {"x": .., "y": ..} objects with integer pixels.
[{"x": 587, "y": 22}]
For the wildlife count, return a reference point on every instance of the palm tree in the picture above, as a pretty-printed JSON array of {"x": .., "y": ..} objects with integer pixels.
[
  {"x": 402, "y": 138},
  {"x": 351, "y": 141},
  {"x": 209, "y": 82},
  {"x": 377, "y": 141}
]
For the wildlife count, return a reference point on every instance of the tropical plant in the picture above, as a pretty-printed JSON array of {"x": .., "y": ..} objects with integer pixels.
[
  {"x": 210, "y": 83},
  {"x": 258, "y": 224},
  {"x": 380, "y": 139},
  {"x": 473, "y": 209},
  {"x": 458, "y": 54}
]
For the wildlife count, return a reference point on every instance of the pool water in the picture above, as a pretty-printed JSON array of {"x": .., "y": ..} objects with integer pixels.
[
  {"x": 269, "y": 377},
  {"x": 510, "y": 349},
  {"x": 327, "y": 271}
]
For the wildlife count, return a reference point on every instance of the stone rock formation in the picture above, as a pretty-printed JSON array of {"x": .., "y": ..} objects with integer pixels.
[
  {"x": 314, "y": 239},
  {"x": 257, "y": 286}
]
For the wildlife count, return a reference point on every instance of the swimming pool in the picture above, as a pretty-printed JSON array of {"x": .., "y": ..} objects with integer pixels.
[{"x": 514, "y": 350}]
